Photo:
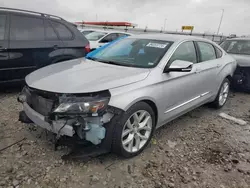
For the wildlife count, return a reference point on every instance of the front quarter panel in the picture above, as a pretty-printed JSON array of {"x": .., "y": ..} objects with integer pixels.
[{"x": 148, "y": 89}]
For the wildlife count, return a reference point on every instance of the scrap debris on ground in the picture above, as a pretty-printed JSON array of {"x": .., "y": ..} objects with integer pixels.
[{"x": 200, "y": 149}]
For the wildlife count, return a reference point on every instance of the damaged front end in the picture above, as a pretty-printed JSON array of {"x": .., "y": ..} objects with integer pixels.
[{"x": 83, "y": 117}]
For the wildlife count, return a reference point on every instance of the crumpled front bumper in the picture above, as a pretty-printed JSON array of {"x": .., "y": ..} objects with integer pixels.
[{"x": 58, "y": 127}]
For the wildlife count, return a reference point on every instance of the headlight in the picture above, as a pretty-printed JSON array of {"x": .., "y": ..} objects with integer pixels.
[{"x": 92, "y": 107}]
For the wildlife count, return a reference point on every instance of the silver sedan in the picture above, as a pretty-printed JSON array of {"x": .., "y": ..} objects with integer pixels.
[{"x": 120, "y": 95}]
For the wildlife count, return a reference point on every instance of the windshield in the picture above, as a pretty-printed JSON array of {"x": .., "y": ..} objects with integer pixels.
[
  {"x": 144, "y": 53},
  {"x": 236, "y": 46},
  {"x": 94, "y": 36}
]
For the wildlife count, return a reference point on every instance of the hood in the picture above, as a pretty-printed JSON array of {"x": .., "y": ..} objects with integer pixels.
[
  {"x": 242, "y": 60},
  {"x": 83, "y": 76}
]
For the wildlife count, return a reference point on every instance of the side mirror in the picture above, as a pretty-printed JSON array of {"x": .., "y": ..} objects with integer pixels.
[{"x": 179, "y": 66}]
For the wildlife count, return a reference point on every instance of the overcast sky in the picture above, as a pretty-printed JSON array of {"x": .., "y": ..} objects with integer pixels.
[{"x": 204, "y": 15}]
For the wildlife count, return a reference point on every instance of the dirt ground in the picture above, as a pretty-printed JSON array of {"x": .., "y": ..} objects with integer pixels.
[{"x": 200, "y": 149}]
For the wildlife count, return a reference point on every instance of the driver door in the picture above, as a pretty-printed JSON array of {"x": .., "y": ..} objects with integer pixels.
[{"x": 182, "y": 91}]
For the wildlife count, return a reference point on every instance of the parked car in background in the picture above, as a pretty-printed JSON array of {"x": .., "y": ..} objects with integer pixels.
[
  {"x": 118, "y": 98},
  {"x": 100, "y": 37},
  {"x": 31, "y": 40},
  {"x": 86, "y": 31},
  {"x": 239, "y": 48}
]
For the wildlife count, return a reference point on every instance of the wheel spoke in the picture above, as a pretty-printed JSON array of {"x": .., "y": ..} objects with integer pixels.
[
  {"x": 130, "y": 145},
  {"x": 144, "y": 123},
  {"x": 129, "y": 139},
  {"x": 225, "y": 89},
  {"x": 142, "y": 115},
  {"x": 136, "y": 118},
  {"x": 137, "y": 142},
  {"x": 129, "y": 125},
  {"x": 126, "y": 132},
  {"x": 143, "y": 137}
]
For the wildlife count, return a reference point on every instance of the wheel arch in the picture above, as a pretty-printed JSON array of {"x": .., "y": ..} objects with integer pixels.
[{"x": 148, "y": 100}]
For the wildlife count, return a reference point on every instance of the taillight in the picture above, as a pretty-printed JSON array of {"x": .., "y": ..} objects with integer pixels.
[{"x": 87, "y": 48}]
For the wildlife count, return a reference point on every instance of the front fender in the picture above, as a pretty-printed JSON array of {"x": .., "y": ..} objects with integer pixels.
[{"x": 124, "y": 97}]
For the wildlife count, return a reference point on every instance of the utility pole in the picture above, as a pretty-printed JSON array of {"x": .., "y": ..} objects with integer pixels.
[
  {"x": 165, "y": 24},
  {"x": 222, "y": 14}
]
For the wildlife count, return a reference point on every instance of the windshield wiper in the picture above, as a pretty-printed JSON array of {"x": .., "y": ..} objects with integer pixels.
[
  {"x": 110, "y": 62},
  {"x": 92, "y": 58}
]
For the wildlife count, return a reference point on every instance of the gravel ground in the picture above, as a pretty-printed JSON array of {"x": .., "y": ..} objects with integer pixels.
[{"x": 199, "y": 149}]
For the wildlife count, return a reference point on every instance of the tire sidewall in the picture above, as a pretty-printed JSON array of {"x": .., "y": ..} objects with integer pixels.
[
  {"x": 217, "y": 101},
  {"x": 117, "y": 140}
]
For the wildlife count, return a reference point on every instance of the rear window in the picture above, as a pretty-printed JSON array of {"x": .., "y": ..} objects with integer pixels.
[
  {"x": 86, "y": 32},
  {"x": 62, "y": 30},
  {"x": 26, "y": 28},
  {"x": 2, "y": 26},
  {"x": 96, "y": 35},
  {"x": 207, "y": 51}
]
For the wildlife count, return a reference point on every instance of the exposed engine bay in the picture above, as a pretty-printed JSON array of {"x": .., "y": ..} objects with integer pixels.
[{"x": 73, "y": 115}]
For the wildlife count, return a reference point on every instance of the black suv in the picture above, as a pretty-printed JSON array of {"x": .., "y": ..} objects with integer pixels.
[{"x": 31, "y": 40}]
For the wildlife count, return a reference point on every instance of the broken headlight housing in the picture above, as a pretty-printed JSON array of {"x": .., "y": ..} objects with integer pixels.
[{"x": 81, "y": 106}]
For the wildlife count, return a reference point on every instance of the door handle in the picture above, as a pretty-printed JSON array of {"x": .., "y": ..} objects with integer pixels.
[{"x": 219, "y": 65}]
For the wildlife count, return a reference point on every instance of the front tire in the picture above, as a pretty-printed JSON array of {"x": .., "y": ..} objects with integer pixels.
[
  {"x": 134, "y": 130},
  {"x": 222, "y": 95}
]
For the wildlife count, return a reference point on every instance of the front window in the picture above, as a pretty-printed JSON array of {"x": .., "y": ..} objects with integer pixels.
[
  {"x": 95, "y": 36},
  {"x": 236, "y": 46},
  {"x": 144, "y": 53}
]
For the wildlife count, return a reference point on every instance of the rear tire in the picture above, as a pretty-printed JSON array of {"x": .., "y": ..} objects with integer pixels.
[
  {"x": 134, "y": 130},
  {"x": 222, "y": 95}
]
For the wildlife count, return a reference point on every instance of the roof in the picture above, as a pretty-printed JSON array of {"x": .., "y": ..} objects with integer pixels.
[
  {"x": 169, "y": 37},
  {"x": 21, "y": 11},
  {"x": 105, "y": 31}
]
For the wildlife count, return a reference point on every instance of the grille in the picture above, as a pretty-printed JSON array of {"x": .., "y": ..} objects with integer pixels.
[{"x": 40, "y": 101}]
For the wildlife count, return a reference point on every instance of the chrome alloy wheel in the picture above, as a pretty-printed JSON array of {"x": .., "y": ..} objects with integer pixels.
[
  {"x": 224, "y": 93},
  {"x": 136, "y": 131}
]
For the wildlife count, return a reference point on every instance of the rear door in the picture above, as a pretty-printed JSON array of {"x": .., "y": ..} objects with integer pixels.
[
  {"x": 52, "y": 49},
  {"x": 72, "y": 47},
  {"x": 208, "y": 67},
  {"x": 26, "y": 43},
  {"x": 4, "y": 45}
]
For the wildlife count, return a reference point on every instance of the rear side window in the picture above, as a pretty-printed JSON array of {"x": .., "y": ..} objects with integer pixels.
[
  {"x": 207, "y": 51},
  {"x": 26, "y": 28},
  {"x": 109, "y": 38},
  {"x": 62, "y": 30},
  {"x": 49, "y": 32},
  {"x": 2, "y": 26},
  {"x": 122, "y": 35},
  {"x": 218, "y": 52},
  {"x": 185, "y": 52}
]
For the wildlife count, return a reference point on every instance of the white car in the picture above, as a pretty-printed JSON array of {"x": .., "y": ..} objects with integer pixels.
[
  {"x": 86, "y": 31},
  {"x": 99, "y": 38}
]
